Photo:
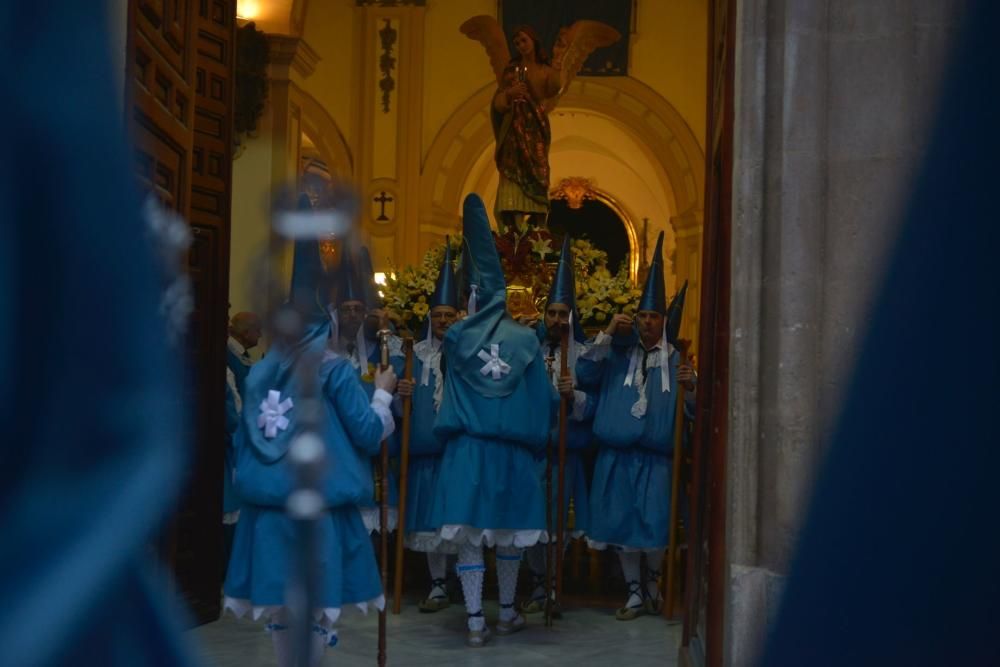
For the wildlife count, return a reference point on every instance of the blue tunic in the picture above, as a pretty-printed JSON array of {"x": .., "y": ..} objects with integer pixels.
[
  {"x": 426, "y": 448},
  {"x": 365, "y": 376},
  {"x": 262, "y": 548},
  {"x": 489, "y": 479},
  {"x": 630, "y": 494},
  {"x": 579, "y": 435}
]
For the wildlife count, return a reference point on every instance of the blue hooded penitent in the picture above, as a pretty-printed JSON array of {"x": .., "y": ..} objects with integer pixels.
[
  {"x": 654, "y": 296},
  {"x": 490, "y": 324},
  {"x": 674, "y": 314},
  {"x": 446, "y": 288},
  {"x": 563, "y": 288},
  {"x": 276, "y": 371}
]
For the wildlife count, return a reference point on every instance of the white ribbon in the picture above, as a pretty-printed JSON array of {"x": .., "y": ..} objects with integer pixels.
[
  {"x": 660, "y": 357},
  {"x": 429, "y": 353},
  {"x": 493, "y": 363},
  {"x": 361, "y": 347},
  {"x": 473, "y": 299},
  {"x": 633, "y": 362},
  {"x": 425, "y": 374},
  {"x": 272, "y": 413}
]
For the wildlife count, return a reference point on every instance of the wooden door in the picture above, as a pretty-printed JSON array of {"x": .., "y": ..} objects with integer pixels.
[
  {"x": 706, "y": 583},
  {"x": 179, "y": 102}
]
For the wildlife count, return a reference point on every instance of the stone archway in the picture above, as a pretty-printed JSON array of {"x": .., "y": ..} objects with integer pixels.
[
  {"x": 317, "y": 123},
  {"x": 459, "y": 160},
  {"x": 652, "y": 121}
]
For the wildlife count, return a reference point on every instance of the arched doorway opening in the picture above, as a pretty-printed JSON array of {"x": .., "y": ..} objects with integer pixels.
[{"x": 595, "y": 221}]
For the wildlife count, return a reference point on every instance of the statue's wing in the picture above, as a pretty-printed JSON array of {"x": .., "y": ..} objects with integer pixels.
[
  {"x": 573, "y": 45},
  {"x": 488, "y": 32}
]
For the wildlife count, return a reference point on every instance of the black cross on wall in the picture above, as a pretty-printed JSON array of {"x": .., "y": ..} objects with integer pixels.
[{"x": 382, "y": 199}]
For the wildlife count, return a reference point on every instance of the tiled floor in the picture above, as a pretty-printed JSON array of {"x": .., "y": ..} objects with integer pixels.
[{"x": 581, "y": 637}]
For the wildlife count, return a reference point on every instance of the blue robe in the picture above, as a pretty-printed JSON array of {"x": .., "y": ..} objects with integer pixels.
[
  {"x": 630, "y": 493},
  {"x": 488, "y": 480},
  {"x": 426, "y": 449},
  {"x": 374, "y": 359},
  {"x": 579, "y": 436},
  {"x": 263, "y": 547}
]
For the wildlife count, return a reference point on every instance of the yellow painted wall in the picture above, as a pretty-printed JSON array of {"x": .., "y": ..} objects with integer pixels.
[
  {"x": 454, "y": 65},
  {"x": 330, "y": 31},
  {"x": 250, "y": 217},
  {"x": 668, "y": 53}
]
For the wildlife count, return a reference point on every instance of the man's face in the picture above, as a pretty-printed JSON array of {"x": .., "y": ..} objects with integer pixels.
[
  {"x": 442, "y": 317},
  {"x": 350, "y": 316},
  {"x": 556, "y": 317},
  {"x": 650, "y": 325}
]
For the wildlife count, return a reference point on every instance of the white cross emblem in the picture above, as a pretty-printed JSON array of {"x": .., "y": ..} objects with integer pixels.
[
  {"x": 272, "y": 413},
  {"x": 493, "y": 363}
]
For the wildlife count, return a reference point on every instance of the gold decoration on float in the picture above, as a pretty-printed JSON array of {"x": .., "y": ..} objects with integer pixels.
[{"x": 574, "y": 190}]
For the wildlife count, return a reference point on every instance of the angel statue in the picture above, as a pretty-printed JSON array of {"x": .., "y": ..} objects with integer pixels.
[{"x": 529, "y": 86}]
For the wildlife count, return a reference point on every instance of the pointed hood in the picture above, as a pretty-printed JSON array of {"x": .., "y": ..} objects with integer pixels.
[
  {"x": 674, "y": 314},
  {"x": 367, "y": 270},
  {"x": 307, "y": 274},
  {"x": 490, "y": 324},
  {"x": 480, "y": 261},
  {"x": 563, "y": 288},
  {"x": 446, "y": 288},
  {"x": 654, "y": 295},
  {"x": 349, "y": 284}
]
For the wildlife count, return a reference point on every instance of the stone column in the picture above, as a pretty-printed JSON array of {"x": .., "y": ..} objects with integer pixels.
[{"x": 832, "y": 98}]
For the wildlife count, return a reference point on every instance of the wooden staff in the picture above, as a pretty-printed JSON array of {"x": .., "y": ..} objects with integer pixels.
[
  {"x": 404, "y": 468},
  {"x": 384, "y": 514},
  {"x": 675, "y": 480},
  {"x": 546, "y": 607},
  {"x": 563, "y": 426}
]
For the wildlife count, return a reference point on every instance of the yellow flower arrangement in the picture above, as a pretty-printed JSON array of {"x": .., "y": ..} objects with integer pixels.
[{"x": 600, "y": 293}]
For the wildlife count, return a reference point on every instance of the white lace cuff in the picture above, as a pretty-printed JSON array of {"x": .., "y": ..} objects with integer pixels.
[
  {"x": 598, "y": 349},
  {"x": 381, "y": 400}
]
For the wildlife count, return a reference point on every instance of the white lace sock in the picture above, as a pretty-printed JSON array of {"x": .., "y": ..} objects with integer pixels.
[
  {"x": 508, "y": 563},
  {"x": 630, "y": 568},
  {"x": 281, "y": 638},
  {"x": 323, "y": 635},
  {"x": 437, "y": 564},
  {"x": 470, "y": 570},
  {"x": 654, "y": 567}
]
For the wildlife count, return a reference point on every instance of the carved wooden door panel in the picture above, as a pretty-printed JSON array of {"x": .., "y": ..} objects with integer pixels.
[
  {"x": 702, "y": 642},
  {"x": 179, "y": 102}
]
